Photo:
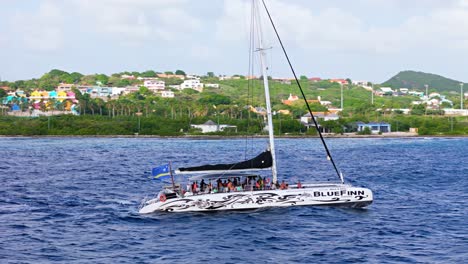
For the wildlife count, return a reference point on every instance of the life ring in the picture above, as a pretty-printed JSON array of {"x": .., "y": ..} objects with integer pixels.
[{"x": 162, "y": 197}]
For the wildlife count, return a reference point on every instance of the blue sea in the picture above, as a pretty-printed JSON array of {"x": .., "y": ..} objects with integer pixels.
[{"x": 75, "y": 200}]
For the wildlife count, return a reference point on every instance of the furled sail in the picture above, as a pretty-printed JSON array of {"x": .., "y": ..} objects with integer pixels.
[{"x": 262, "y": 161}]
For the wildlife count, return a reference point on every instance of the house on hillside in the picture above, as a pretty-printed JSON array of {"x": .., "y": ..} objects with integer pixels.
[
  {"x": 340, "y": 81},
  {"x": 194, "y": 84},
  {"x": 294, "y": 98},
  {"x": 65, "y": 87},
  {"x": 386, "y": 91},
  {"x": 154, "y": 84},
  {"x": 259, "y": 110},
  {"x": 360, "y": 83},
  {"x": 416, "y": 93},
  {"x": 128, "y": 77},
  {"x": 166, "y": 94},
  {"x": 291, "y": 99},
  {"x": 282, "y": 80},
  {"x": 315, "y": 79},
  {"x": 163, "y": 75}
]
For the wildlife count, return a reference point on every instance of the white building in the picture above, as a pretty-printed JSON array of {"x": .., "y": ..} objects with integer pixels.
[
  {"x": 192, "y": 76},
  {"x": 360, "y": 83},
  {"x": 154, "y": 84},
  {"x": 455, "y": 112},
  {"x": 326, "y": 116},
  {"x": 117, "y": 91},
  {"x": 131, "y": 89},
  {"x": 194, "y": 84},
  {"x": 167, "y": 94},
  {"x": 416, "y": 93},
  {"x": 386, "y": 90},
  {"x": 210, "y": 126},
  {"x": 127, "y": 77}
]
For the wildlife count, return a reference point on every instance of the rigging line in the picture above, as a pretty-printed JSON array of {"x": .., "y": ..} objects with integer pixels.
[
  {"x": 303, "y": 95},
  {"x": 248, "y": 81}
]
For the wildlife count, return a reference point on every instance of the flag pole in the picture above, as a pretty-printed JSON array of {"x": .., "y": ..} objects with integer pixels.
[{"x": 172, "y": 176}]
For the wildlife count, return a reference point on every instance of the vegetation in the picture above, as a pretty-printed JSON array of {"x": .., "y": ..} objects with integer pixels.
[
  {"x": 417, "y": 80},
  {"x": 148, "y": 114}
]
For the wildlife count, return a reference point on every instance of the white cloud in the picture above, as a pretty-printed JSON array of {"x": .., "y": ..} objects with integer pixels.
[
  {"x": 234, "y": 22},
  {"x": 135, "y": 22},
  {"x": 340, "y": 30},
  {"x": 40, "y": 30}
]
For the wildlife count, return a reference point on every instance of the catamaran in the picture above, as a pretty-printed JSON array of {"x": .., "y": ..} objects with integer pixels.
[{"x": 239, "y": 185}]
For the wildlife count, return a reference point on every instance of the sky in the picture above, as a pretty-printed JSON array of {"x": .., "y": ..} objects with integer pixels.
[{"x": 368, "y": 40}]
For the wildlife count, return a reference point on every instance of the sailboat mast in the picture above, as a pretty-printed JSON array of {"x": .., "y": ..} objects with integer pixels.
[
  {"x": 261, "y": 50},
  {"x": 329, "y": 156}
]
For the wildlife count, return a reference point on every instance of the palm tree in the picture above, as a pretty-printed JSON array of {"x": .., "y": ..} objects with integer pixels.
[{"x": 99, "y": 103}]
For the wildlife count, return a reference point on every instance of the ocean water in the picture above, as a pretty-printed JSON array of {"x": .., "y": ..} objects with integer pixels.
[{"x": 75, "y": 200}]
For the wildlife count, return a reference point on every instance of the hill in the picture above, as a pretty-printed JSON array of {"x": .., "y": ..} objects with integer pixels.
[{"x": 417, "y": 80}]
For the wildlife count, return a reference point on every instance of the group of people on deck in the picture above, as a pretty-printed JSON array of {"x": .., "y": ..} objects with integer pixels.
[{"x": 234, "y": 184}]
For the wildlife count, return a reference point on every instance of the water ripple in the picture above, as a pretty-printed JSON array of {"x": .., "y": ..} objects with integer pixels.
[{"x": 74, "y": 200}]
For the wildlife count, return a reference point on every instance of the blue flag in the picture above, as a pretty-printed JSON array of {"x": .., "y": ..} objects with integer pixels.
[{"x": 161, "y": 172}]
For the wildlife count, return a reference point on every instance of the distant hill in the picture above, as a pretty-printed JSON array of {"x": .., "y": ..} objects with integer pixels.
[{"x": 417, "y": 80}]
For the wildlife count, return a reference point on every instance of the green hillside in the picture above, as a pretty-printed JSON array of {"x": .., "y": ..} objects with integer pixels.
[{"x": 417, "y": 80}]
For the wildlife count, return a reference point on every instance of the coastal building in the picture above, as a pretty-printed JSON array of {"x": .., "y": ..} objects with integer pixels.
[
  {"x": 324, "y": 103},
  {"x": 168, "y": 76},
  {"x": 154, "y": 84},
  {"x": 46, "y": 95},
  {"x": 416, "y": 93},
  {"x": 194, "y": 84},
  {"x": 340, "y": 81},
  {"x": 455, "y": 112},
  {"x": 131, "y": 89},
  {"x": 166, "y": 94},
  {"x": 375, "y": 127},
  {"x": 315, "y": 79},
  {"x": 65, "y": 87},
  {"x": 210, "y": 126},
  {"x": 224, "y": 77},
  {"x": 294, "y": 99},
  {"x": 326, "y": 116},
  {"x": 258, "y": 110},
  {"x": 127, "y": 77},
  {"x": 291, "y": 99},
  {"x": 283, "y": 80},
  {"x": 283, "y": 112},
  {"x": 360, "y": 83},
  {"x": 404, "y": 90},
  {"x": 386, "y": 91},
  {"x": 192, "y": 76}
]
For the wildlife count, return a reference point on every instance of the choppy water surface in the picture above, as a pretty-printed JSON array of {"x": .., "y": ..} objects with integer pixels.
[{"x": 75, "y": 200}]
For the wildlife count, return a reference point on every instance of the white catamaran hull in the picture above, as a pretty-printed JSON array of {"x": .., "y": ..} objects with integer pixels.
[{"x": 332, "y": 195}]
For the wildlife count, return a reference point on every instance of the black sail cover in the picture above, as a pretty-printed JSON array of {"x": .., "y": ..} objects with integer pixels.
[{"x": 262, "y": 161}]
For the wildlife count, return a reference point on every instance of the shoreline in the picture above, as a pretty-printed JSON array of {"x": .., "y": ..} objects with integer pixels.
[{"x": 219, "y": 137}]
